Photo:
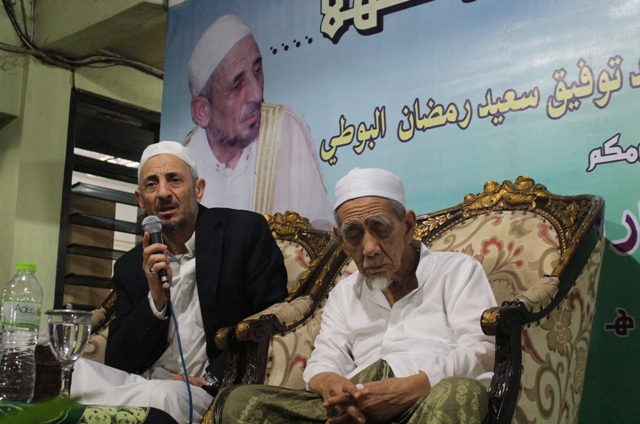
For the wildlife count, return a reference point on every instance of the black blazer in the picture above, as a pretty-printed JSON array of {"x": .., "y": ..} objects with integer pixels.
[{"x": 239, "y": 272}]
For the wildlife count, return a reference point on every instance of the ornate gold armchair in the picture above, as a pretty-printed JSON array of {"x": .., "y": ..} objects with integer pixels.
[{"x": 542, "y": 254}]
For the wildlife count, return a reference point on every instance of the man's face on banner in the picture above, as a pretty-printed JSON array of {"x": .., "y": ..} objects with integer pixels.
[{"x": 238, "y": 85}]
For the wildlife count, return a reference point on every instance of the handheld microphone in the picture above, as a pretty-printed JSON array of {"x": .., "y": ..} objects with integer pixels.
[{"x": 153, "y": 226}]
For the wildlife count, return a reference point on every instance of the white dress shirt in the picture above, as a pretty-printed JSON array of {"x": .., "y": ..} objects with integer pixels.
[
  {"x": 186, "y": 305},
  {"x": 435, "y": 328}
]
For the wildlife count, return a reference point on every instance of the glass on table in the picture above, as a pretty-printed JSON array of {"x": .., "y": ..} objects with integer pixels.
[{"x": 69, "y": 332}]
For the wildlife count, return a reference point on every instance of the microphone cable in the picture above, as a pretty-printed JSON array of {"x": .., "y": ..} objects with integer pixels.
[
  {"x": 152, "y": 225},
  {"x": 184, "y": 366}
]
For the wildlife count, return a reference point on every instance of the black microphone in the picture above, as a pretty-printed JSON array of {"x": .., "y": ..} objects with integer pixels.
[{"x": 153, "y": 226}]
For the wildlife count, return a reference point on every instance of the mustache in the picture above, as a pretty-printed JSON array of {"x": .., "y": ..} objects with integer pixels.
[
  {"x": 373, "y": 263},
  {"x": 162, "y": 203},
  {"x": 250, "y": 110}
]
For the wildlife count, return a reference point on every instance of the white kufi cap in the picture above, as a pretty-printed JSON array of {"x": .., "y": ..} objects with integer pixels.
[
  {"x": 364, "y": 182},
  {"x": 213, "y": 45},
  {"x": 170, "y": 148}
]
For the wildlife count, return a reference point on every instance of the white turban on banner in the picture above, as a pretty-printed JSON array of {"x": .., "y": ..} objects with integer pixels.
[
  {"x": 213, "y": 45},
  {"x": 170, "y": 148},
  {"x": 364, "y": 182}
]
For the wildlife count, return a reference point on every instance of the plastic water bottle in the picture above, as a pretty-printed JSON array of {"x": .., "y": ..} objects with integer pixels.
[{"x": 21, "y": 307}]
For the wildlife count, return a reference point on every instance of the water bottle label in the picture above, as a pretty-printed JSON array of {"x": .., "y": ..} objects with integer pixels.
[{"x": 21, "y": 314}]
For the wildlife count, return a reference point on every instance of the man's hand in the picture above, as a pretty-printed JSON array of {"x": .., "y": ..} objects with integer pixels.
[
  {"x": 154, "y": 259},
  {"x": 338, "y": 394},
  {"x": 380, "y": 401},
  {"x": 194, "y": 381}
]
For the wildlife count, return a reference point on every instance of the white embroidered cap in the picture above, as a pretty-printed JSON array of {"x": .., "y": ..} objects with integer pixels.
[
  {"x": 213, "y": 45},
  {"x": 364, "y": 182},
  {"x": 169, "y": 148}
]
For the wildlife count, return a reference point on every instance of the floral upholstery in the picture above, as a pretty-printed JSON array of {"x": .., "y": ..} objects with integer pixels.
[
  {"x": 97, "y": 345},
  {"x": 554, "y": 353},
  {"x": 296, "y": 260},
  {"x": 515, "y": 248},
  {"x": 100, "y": 318}
]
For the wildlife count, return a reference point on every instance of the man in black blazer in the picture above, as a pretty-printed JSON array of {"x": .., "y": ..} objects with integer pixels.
[
  {"x": 233, "y": 283},
  {"x": 224, "y": 258}
]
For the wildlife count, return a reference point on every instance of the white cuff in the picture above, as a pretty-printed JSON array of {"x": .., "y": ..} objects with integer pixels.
[{"x": 158, "y": 314}]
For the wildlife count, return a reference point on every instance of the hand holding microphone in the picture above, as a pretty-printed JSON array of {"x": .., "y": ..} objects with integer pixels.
[{"x": 153, "y": 226}]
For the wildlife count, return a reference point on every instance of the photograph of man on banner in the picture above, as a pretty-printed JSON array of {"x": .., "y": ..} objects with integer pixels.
[{"x": 254, "y": 155}]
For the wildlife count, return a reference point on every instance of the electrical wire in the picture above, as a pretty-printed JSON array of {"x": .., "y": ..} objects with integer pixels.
[
  {"x": 184, "y": 366},
  {"x": 61, "y": 61}
]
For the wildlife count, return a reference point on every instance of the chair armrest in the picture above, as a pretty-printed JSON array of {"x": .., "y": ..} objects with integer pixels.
[
  {"x": 280, "y": 316},
  {"x": 98, "y": 316},
  {"x": 540, "y": 294},
  {"x": 536, "y": 298},
  {"x": 286, "y": 312},
  {"x": 547, "y": 327}
]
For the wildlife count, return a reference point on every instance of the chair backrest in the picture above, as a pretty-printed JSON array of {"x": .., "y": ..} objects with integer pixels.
[
  {"x": 300, "y": 243},
  {"x": 511, "y": 229},
  {"x": 311, "y": 279},
  {"x": 519, "y": 232},
  {"x": 542, "y": 254}
]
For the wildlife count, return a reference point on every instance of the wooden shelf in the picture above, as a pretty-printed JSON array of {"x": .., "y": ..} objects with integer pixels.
[
  {"x": 88, "y": 214},
  {"x": 105, "y": 169},
  {"x": 98, "y": 192},
  {"x": 104, "y": 223},
  {"x": 93, "y": 251},
  {"x": 88, "y": 281}
]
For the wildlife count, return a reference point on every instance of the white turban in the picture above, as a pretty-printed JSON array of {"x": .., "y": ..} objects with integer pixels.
[
  {"x": 213, "y": 45},
  {"x": 170, "y": 148},
  {"x": 364, "y": 182}
]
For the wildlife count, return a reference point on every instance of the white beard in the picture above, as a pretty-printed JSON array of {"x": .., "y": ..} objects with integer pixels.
[{"x": 378, "y": 283}]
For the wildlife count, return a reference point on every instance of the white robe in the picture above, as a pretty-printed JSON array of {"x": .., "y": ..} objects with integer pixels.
[{"x": 435, "y": 328}]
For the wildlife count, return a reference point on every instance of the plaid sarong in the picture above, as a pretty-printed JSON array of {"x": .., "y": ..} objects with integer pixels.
[{"x": 452, "y": 400}]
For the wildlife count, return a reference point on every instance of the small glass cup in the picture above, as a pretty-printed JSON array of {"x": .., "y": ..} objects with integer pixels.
[{"x": 69, "y": 332}]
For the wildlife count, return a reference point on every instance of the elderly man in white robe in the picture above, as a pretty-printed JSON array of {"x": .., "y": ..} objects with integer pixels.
[
  {"x": 400, "y": 339},
  {"x": 259, "y": 156}
]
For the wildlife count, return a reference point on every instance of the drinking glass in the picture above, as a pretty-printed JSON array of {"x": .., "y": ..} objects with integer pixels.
[{"x": 69, "y": 332}]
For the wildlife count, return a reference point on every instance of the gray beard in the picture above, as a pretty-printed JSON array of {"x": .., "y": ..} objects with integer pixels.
[
  {"x": 378, "y": 283},
  {"x": 238, "y": 141},
  {"x": 241, "y": 142},
  {"x": 191, "y": 216}
]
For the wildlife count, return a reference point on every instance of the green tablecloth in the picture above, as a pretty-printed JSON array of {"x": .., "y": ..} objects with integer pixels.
[{"x": 65, "y": 411}]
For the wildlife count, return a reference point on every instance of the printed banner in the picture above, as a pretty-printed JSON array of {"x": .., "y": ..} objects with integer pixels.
[{"x": 446, "y": 94}]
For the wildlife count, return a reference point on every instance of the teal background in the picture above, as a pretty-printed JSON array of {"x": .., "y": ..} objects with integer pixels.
[{"x": 452, "y": 51}]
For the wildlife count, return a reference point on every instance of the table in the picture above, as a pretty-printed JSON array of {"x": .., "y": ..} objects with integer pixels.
[{"x": 65, "y": 411}]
